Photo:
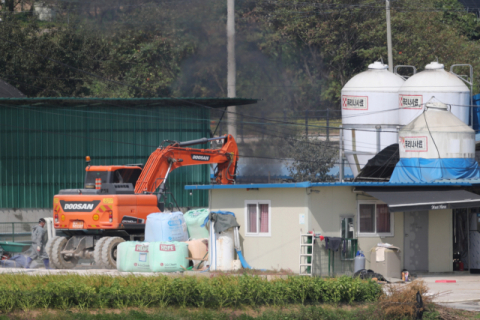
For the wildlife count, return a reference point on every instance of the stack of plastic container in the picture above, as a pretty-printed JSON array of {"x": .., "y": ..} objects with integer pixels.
[
  {"x": 168, "y": 256},
  {"x": 133, "y": 256},
  {"x": 194, "y": 220},
  {"x": 166, "y": 247}
]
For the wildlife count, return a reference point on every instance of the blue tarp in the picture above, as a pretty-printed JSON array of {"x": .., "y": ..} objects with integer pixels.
[{"x": 429, "y": 170}]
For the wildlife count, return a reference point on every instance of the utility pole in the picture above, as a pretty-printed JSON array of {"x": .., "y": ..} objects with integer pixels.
[
  {"x": 231, "y": 67},
  {"x": 389, "y": 38}
]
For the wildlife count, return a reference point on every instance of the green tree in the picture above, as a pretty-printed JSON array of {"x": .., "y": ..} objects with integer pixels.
[
  {"x": 340, "y": 38},
  {"x": 28, "y": 52},
  {"x": 295, "y": 56}
]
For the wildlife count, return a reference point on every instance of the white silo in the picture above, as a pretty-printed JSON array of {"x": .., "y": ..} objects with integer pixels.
[
  {"x": 434, "y": 81},
  {"x": 369, "y": 104},
  {"x": 434, "y": 146}
]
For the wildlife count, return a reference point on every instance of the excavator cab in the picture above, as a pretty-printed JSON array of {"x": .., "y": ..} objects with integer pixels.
[
  {"x": 111, "y": 175},
  {"x": 108, "y": 180}
]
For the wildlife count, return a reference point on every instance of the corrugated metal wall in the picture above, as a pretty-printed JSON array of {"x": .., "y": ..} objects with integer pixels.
[{"x": 43, "y": 147}]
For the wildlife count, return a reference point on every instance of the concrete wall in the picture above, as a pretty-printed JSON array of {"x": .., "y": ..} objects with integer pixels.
[
  {"x": 281, "y": 250},
  {"x": 440, "y": 243},
  {"x": 24, "y": 215},
  {"x": 329, "y": 205},
  {"x": 366, "y": 244}
]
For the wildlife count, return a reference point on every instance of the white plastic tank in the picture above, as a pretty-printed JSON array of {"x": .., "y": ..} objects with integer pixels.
[
  {"x": 225, "y": 250},
  {"x": 437, "y": 133},
  {"x": 434, "y": 81},
  {"x": 369, "y": 99},
  {"x": 359, "y": 263}
]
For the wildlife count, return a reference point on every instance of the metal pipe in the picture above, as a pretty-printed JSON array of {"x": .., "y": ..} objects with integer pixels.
[
  {"x": 378, "y": 129},
  {"x": 231, "y": 67},
  {"x": 192, "y": 142},
  {"x": 199, "y": 141},
  {"x": 341, "y": 172},
  {"x": 359, "y": 153},
  {"x": 162, "y": 185},
  {"x": 389, "y": 38},
  {"x": 398, "y": 133}
]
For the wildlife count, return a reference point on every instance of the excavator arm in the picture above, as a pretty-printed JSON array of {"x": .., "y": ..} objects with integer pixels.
[{"x": 166, "y": 159}]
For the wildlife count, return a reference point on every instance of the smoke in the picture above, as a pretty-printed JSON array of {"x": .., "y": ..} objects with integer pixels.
[
  {"x": 270, "y": 72},
  {"x": 258, "y": 170}
]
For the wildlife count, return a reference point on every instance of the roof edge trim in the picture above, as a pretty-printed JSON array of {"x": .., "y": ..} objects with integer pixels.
[{"x": 308, "y": 184}]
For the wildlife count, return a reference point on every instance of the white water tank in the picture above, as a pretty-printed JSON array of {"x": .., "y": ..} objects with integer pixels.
[
  {"x": 435, "y": 134},
  {"x": 434, "y": 81},
  {"x": 225, "y": 250},
  {"x": 369, "y": 100}
]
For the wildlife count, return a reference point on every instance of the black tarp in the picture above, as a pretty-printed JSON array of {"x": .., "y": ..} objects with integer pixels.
[
  {"x": 401, "y": 199},
  {"x": 9, "y": 91},
  {"x": 381, "y": 166}
]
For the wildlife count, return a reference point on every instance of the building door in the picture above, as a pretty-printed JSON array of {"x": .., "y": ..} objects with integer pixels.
[{"x": 416, "y": 240}]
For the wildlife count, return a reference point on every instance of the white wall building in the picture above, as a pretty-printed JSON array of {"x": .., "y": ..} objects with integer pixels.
[{"x": 273, "y": 216}]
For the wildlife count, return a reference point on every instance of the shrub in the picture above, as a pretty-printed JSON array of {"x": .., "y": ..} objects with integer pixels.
[
  {"x": 399, "y": 302},
  {"x": 24, "y": 292}
]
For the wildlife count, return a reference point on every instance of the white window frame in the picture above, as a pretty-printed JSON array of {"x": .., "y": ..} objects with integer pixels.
[
  {"x": 374, "y": 234},
  {"x": 258, "y": 233}
]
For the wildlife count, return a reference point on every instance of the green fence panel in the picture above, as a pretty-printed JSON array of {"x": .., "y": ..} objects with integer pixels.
[
  {"x": 16, "y": 231},
  {"x": 43, "y": 147}
]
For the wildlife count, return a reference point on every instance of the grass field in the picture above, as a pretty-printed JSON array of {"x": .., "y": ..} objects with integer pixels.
[
  {"x": 367, "y": 311},
  {"x": 220, "y": 297}
]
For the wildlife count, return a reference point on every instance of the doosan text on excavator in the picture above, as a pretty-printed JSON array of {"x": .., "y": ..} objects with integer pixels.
[{"x": 116, "y": 200}]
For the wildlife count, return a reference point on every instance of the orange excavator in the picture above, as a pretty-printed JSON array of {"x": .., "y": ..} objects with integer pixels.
[{"x": 116, "y": 200}]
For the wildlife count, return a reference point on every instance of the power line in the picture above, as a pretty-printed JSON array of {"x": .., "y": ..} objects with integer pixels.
[
  {"x": 327, "y": 146},
  {"x": 259, "y": 131},
  {"x": 152, "y": 146}
]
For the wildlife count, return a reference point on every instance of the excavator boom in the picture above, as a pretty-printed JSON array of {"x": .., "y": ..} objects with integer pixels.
[{"x": 166, "y": 159}]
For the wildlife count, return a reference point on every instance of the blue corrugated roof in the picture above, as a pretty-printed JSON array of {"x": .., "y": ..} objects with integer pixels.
[
  {"x": 470, "y": 181},
  {"x": 307, "y": 184}
]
